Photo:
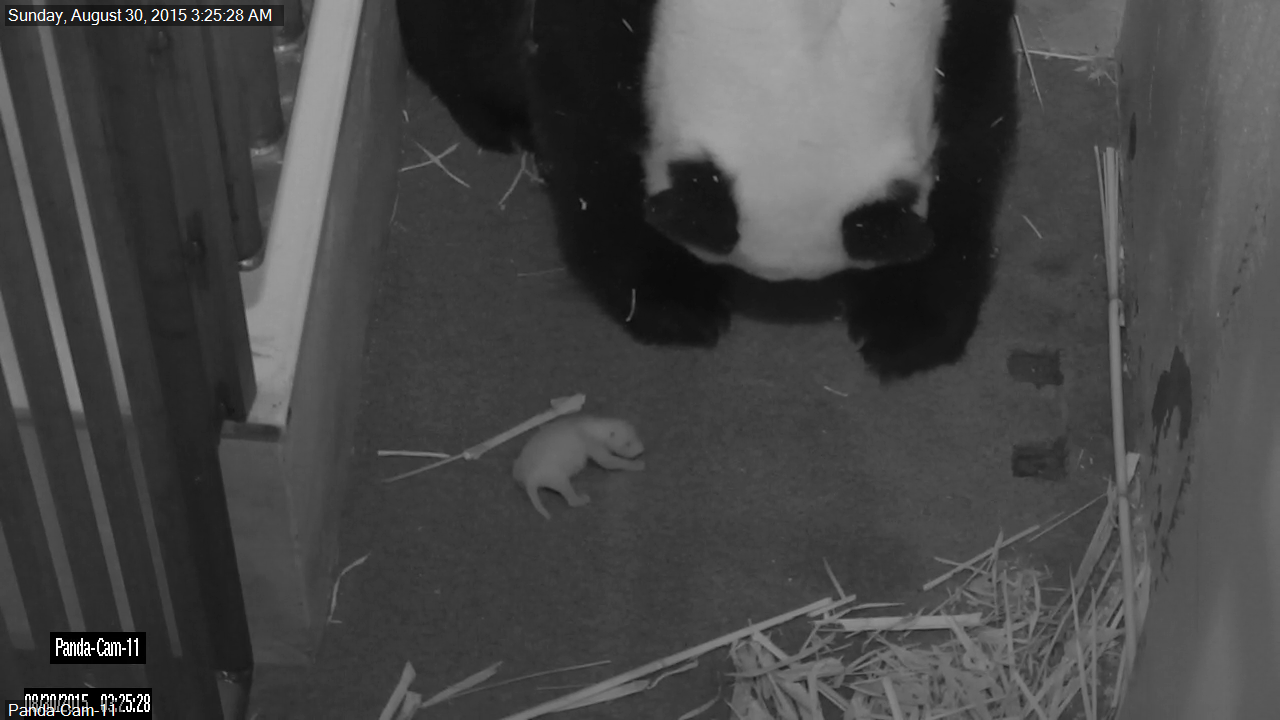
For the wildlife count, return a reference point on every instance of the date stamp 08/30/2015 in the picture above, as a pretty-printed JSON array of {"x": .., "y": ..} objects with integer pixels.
[{"x": 87, "y": 648}]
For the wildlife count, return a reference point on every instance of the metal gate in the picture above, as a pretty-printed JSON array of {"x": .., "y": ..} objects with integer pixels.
[{"x": 123, "y": 163}]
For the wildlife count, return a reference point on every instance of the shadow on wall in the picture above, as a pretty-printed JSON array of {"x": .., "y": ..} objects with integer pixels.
[{"x": 1199, "y": 86}]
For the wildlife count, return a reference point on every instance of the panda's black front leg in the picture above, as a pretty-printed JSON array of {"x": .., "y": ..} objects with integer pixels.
[
  {"x": 675, "y": 300},
  {"x": 915, "y": 317},
  {"x": 658, "y": 292}
]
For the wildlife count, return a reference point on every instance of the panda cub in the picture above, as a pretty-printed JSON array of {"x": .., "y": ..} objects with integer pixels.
[{"x": 856, "y": 144}]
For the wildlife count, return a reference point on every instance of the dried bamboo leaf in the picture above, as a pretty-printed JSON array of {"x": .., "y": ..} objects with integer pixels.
[
  {"x": 700, "y": 709},
  {"x": 463, "y": 685},
  {"x": 396, "y": 701}
]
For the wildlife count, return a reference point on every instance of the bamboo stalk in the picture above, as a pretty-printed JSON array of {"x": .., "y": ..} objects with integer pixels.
[
  {"x": 397, "y": 696},
  {"x": 559, "y": 407},
  {"x": 1022, "y": 41},
  {"x": 1109, "y": 177},
  {"x": 413, "y": 454},
  {"x": 894, "y": 706},
  {"x": 903, "y": 624},
  {"x": 977, "y": 559},
  {"x": 603, "y": 686}
]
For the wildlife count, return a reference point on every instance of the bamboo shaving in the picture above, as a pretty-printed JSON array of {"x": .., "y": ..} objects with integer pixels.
[
  {"x": 437, "y": 160},
  {"x": 524, "y": 171},
  {"x": 980, "y": 557},
  {"x": 333, "y": 597},
  {"x": 396, "y": 701},
  {"x": 409, "y": 702},
  {"x": 413, "y": 454},
  {"x": 904, "y": 624},
  {"x": 1022, "y": 41},
  {"x": 1034, "y": 229},
  {"x": 1061, "y": 56},
  {"x": 1066, "y": 517},
  {"x": 462, "y": 686},
  {"x": 559, "y": 407},
  {"x": 700, "y": 709},
  {"x": 839, "y": 590},
  {"x": 412, "y": 701},
  {"x": 536, "y": 273},
  {"x": 603, "y": 691},
  {"x": 531, "y": 676}
]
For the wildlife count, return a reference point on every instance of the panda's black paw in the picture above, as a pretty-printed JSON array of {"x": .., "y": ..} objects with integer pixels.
[
  {"x": 910, "y": 338},
  {"x": 675, "y": 308},
  {"x": 492, "y": 135}
]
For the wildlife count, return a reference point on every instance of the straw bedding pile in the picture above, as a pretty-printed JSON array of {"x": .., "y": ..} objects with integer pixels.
[{"x": 1011, "y": 647}]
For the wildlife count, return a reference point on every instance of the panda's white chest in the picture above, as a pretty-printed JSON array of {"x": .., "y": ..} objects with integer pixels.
[{"x": 810, "y": 107}]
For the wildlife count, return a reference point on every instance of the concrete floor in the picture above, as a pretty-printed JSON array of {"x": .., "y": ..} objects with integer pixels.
[
  {"x": 765, "y": 457},
  {"x": 1075, "y": 27}
]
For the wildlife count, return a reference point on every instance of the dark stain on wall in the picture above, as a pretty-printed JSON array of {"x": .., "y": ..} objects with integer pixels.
[
  {"x": 1162, "y": 533},
  {"x": 1248, "y": 256},
  {"x": 1133, "y": 136},
  {"x": 1173, "y": 392},
  {"x": 1183, "y": 484}
]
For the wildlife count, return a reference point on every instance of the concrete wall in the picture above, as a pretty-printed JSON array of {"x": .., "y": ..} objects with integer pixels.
[{"x": 1200, "y": 107}]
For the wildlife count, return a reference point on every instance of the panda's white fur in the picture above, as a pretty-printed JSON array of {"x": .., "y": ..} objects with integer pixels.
[
  {"x": 811, "y": 107},
  {"x": 682, "y": 142}
]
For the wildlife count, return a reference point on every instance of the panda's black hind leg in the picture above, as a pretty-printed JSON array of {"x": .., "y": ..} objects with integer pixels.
[
  {"x": 470, "y": 55},
  {"x": 489, "y": 130}
]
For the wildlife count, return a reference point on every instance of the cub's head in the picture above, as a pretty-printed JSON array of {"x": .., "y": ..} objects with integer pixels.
[{"x": 619, "y": 436}]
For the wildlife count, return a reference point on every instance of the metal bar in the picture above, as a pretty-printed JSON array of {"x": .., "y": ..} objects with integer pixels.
[
  {"x": 31, "y": 327},
  {"x": 253, "y": 58},
  {"x": 68, "y": 256},
  {"x": 294, "y": 23},
  {"x": 131, "y": 199},
  {"x": 178, "y": 63},
  {"x": 235, "y": 134}
]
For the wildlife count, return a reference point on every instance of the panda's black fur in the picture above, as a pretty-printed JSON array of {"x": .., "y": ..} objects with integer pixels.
[{"x": 564, "y": 79}]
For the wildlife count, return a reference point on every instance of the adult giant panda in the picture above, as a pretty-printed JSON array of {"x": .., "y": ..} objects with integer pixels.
[{"x": 859, "y": 144}]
